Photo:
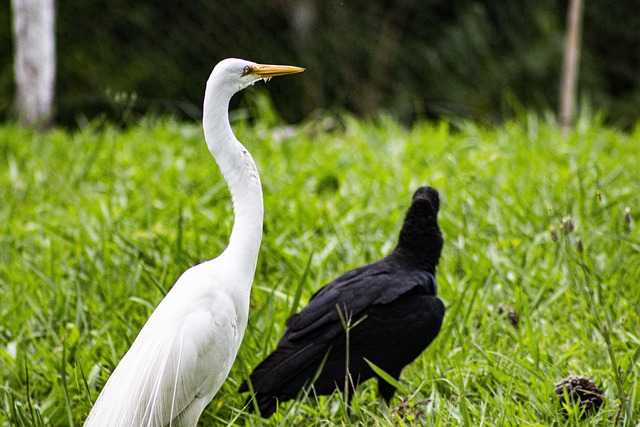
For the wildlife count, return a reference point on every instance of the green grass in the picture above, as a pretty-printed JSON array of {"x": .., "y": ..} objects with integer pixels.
[{"x": 97, "y": 224}]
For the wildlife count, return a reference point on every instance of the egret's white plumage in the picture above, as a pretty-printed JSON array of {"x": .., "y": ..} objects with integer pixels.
[{"x": 185, "y": 351}]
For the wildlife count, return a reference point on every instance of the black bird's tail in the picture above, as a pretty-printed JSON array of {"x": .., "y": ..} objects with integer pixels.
[{"x": 282, "y": 375}]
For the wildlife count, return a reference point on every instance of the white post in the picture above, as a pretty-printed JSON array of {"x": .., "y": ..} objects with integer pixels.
[{"x": 35, "y": 59}]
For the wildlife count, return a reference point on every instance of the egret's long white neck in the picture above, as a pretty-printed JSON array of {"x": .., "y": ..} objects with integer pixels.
[{"x": 240, "y": 173}]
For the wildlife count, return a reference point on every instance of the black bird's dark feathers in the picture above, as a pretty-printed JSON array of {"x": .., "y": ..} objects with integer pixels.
[{"x": 397, "y": 299}]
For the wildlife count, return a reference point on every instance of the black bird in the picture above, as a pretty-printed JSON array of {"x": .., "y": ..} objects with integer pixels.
[{"x": 396, "y": 301}]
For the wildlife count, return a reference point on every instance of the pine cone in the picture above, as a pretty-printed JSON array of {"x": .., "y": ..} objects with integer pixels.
[{"x": 581, "y": 390}]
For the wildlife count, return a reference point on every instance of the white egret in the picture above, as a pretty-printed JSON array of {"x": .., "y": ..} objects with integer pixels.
[{"x": 185, "y": 351}]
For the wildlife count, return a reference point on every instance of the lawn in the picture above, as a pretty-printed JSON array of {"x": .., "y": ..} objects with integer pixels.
[{"x": 539, "y": 271}]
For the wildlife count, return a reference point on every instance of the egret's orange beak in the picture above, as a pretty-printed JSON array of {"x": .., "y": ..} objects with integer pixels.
[{"x": 267, "y": 71}]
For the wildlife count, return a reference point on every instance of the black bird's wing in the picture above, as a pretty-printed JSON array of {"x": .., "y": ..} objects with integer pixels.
[
  {"x": 378, "y": 283},
  {"x": 312, "y": 332}
]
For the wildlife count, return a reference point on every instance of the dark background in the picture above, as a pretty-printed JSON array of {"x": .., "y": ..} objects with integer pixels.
[{"x": 483, "y": 60}]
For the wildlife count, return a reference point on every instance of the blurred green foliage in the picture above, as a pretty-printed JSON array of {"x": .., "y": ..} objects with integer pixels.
[{"x": 431, "y": 58}]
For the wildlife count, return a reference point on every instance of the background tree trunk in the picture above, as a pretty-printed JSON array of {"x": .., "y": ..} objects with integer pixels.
[
  {"x": 571, "y": 64},
  {"x": 35, "y": 59}
]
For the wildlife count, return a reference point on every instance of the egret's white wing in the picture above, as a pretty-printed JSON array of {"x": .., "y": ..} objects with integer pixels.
[{"x": 182, "y": 355}]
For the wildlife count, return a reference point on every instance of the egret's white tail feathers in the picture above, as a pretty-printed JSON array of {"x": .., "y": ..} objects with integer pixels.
[
  {"x": 166, "y": 377},
  {"x": 143, "y": 390}
]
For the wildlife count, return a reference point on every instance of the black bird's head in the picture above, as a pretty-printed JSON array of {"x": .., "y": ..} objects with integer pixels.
[{"x": 420, "y": 238}]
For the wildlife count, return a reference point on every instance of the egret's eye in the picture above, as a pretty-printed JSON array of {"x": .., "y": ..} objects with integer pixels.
[{"x": 246, "y": 70}]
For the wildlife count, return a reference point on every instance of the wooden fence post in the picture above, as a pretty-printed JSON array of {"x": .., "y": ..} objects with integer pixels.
[{"x": 571, "y": 64}]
